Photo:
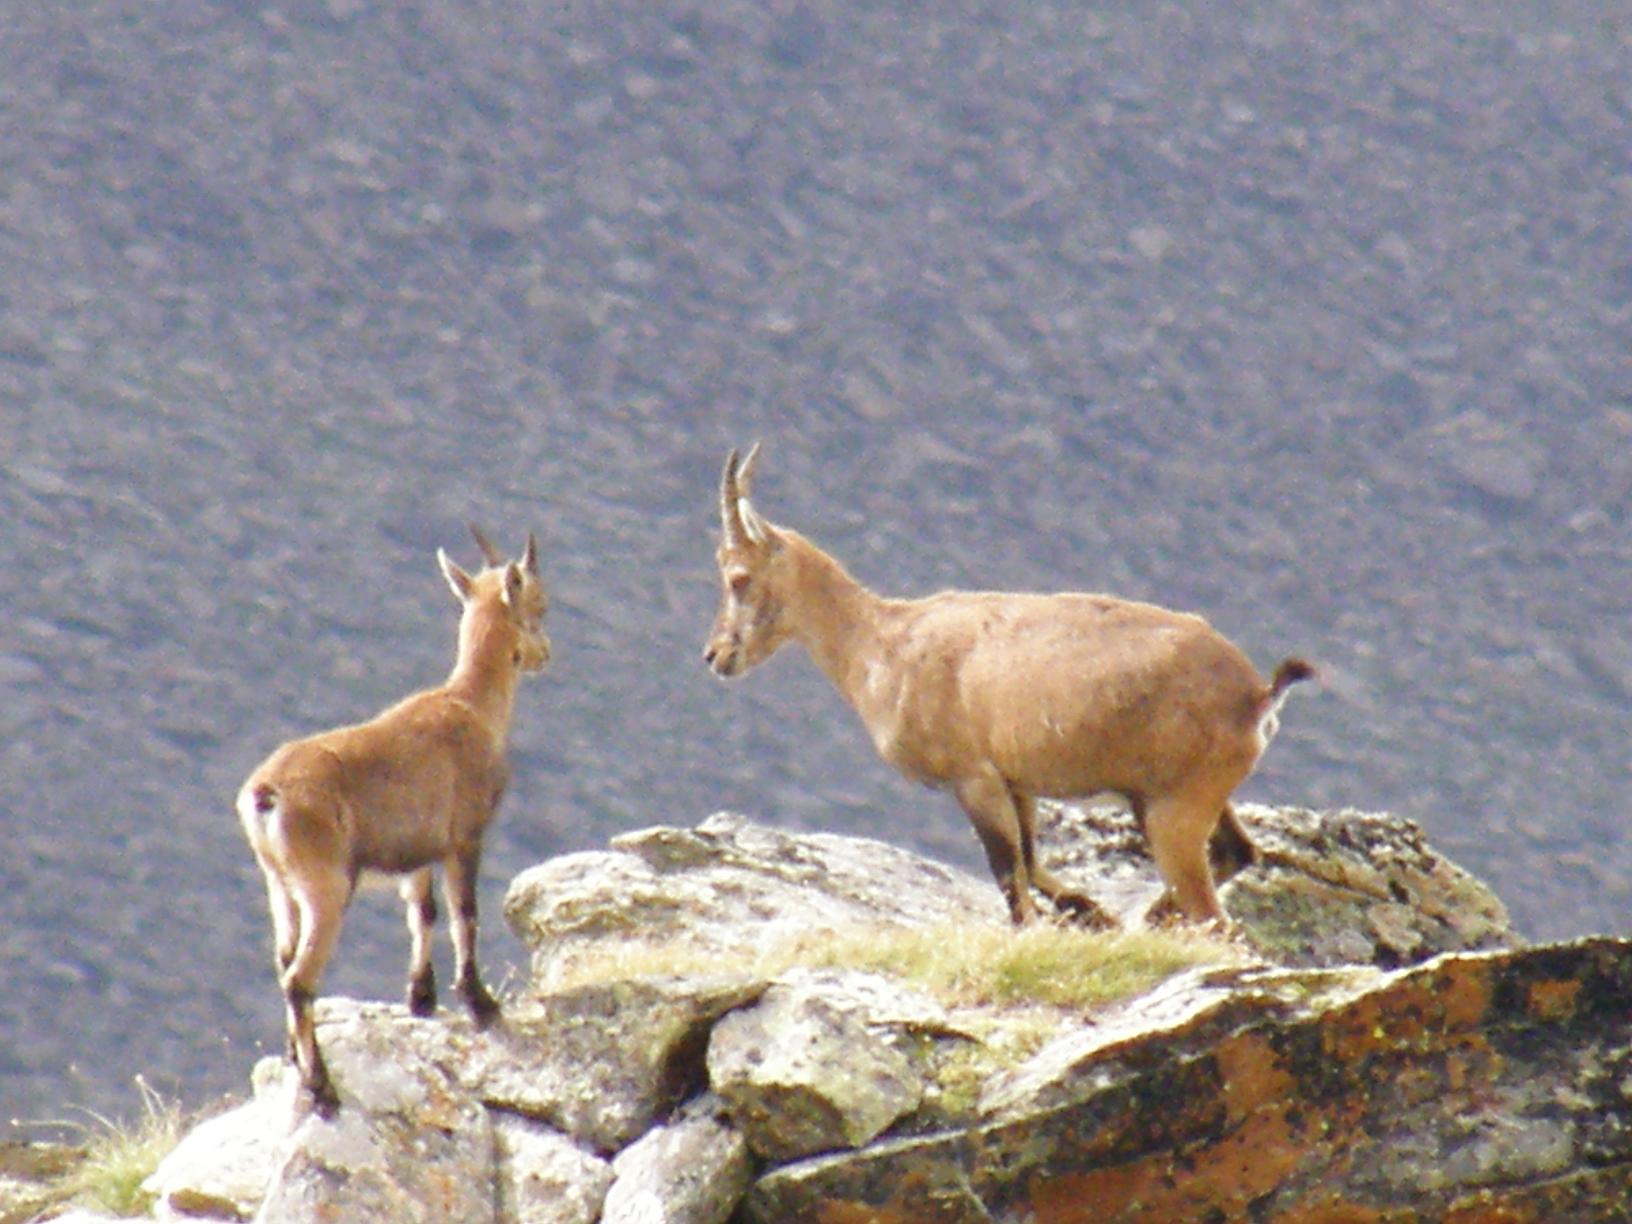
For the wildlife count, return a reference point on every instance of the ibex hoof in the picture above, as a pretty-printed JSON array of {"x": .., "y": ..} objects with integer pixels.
[
  {"x": 422, "y": 996},
  {"x": 1085, "y": 910},
  {"x": 1165, "y": 914},
  {"x": 325, "y": 1100},
  {"x": 484, "y": 1008}
]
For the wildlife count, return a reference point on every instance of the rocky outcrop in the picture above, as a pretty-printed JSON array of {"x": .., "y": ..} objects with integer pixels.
[
  {"x": 1377, "y": 1047},
  {"x": 1477, "y": 1086}
]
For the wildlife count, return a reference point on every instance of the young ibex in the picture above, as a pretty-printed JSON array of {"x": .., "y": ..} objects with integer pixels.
[
  {"x": 413, "y": 787},
  {"x": 1002, "y": 698}
]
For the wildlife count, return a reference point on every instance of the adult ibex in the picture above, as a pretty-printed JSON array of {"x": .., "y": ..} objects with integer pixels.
[
  {"x": 1002, "y": 698},
  {"x": 411, "y": 788}
]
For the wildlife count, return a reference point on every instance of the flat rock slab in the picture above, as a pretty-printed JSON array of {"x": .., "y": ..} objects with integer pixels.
[{"x": 730, "y": 888}]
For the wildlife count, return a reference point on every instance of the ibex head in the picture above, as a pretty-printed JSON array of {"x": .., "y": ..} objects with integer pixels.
[
  {"x": 749, "y": 626},
  {"x": 516, "y": 589}
]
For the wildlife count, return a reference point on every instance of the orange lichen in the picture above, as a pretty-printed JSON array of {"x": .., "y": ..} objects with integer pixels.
[{"x": 1554, "y": 1000}]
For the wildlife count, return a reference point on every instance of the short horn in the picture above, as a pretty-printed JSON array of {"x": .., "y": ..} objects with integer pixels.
[
  {"x": 489, "y": 554},
  {"x": 529, "y": 556}
]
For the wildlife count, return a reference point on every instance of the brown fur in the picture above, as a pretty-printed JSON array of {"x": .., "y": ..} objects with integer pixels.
[
  {"x": 1003, "y": 698},
  {"x": 411, "y": 788}
]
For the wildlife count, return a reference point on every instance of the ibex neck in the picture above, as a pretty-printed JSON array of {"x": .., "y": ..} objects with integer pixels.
[
  {"x": 840, "y": 622},
  {"x": 484, "y": 674}
]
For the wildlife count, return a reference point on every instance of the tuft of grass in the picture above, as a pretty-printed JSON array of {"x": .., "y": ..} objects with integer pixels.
[
  {"x": 961, "y": 965},
  {"x": 118, "y": 1156},
  {"x": 994, "y": 966}
]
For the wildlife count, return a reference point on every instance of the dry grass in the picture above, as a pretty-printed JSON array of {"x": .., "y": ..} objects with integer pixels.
[
  {"x": 118, "y": 1157},
  {"x": 962, "y": 966}
]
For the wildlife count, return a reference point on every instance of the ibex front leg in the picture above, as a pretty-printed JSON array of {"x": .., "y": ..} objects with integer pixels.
[
  {"x": 988, "y": 802},
  {"x": 459, "y": 886},
  {"x": 1079, "y": 904},
  {"x": 421, "y": 906}
]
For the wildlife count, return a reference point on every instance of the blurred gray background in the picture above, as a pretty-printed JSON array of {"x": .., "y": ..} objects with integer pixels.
[{"x": 1313, "y": 317}]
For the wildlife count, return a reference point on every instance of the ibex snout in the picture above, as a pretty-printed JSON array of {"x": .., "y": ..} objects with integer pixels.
[
  {"x": 533, "y": 651},
  {"x": 724, "y": 655}
]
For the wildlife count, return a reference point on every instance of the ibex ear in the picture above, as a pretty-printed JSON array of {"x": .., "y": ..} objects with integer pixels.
[
  {"x": 489, "y": 554},
  {"x": 457, "y": 578},
  {"x": 513, "y": 581}
]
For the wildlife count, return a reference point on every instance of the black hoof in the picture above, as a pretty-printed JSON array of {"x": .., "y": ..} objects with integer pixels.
[
  {"x": 325, "y": 1100},
  {"x": 1085, "y": 910},
  {"x": 484, "y": 1008},
  {"x": 422, "y": 996}
]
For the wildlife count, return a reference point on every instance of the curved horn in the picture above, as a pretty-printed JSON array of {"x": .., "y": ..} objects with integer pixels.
[
  {"x": 730, "y": 498},
  {"x": 737, "y": 516},
  {"x": 745, "y": 473},
  {"x": 489, "y": 554},
  {"x": 529, "y": 557}
]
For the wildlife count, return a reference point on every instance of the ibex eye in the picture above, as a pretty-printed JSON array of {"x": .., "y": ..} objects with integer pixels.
[{"x": 739, "y": 583}]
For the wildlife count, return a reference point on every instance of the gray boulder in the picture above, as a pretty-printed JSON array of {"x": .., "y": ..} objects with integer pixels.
[
  {"x": 410, "y": 1144},
  {"x": 544, "y": 1177},
  {"x": 692, "y": 1170},
  {"x": 815, "y": 1065},
  {"x": 1477, "y": 1086},
  {"x": 604, "y": 1062}
]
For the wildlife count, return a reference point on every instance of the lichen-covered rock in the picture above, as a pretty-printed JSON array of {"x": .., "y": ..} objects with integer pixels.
[
  {"x": 1477, "y": 1086},
  {"x": 1329, "y": 888},
  {"x": 692, "y": 1170},
  {"x": 809, "y": 1068}
]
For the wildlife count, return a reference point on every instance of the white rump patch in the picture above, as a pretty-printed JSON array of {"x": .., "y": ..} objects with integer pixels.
[{"x": 1270, "y": 723}]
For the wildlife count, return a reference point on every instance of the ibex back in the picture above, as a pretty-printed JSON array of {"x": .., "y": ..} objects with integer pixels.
[
  {"x": 413, "y": 787},
  {"x": 1004, "y": 698}
]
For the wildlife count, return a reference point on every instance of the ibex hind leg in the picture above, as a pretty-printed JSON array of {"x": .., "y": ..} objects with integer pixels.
[
  {"x": 1178, "y": 830},
  {"x": 321, "y": 904},
  {"x": 285, "y": 919},
  {"x": 285, "y": 935},
  {"x": 1229, "y": 850}
]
